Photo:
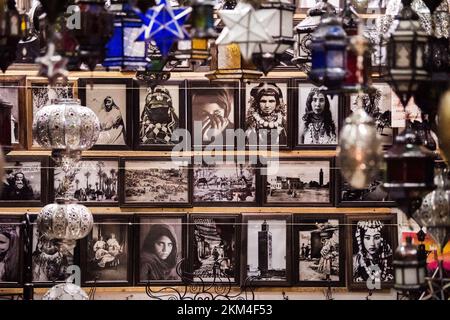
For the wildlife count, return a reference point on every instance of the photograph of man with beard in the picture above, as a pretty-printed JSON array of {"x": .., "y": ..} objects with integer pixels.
[{"x": 17, "y": 187}]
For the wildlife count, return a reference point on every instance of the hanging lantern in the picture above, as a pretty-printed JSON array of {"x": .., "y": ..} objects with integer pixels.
[
  {"x": 157, "y": 70},
  {"x": 202, "y": 19},
  {"x": 360, "y": 149},
  {"x": 406, "y": 54},
  {"x": 328, "y": 51},
  {"x": 97, "y": 26},
  {"x": 409, "y": 172},
  {"x": 444, "y": 126},
  {"x": 53, "y": 8},
  {"x": 33, "y": 43},
  {"x": 66, "y": 127},
  {"x": 5, "y": 126},
  {"x": 303, "y": 34},
  {"x": 195, "y": 49},
  {"x": 123, "y": 50},
  {"x": 409, "y": 268},
  {"x": 423, "y": 133},
  {"x": 65, "y": 291},
  {"x": 266, "y": 56}
]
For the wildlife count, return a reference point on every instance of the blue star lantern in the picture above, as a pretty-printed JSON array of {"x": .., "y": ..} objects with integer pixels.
[{"x": 164, "y": 25}]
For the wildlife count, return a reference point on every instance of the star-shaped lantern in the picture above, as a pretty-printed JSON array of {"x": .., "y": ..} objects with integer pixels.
[
  {"x": 246, "y": 27},
  {"x": 52, "y": 65},
  {"x": 164, "y": 25}
]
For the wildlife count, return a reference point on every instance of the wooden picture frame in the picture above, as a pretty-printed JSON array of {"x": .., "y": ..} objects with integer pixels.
[
  {"x": 315, "y": 136},
  {"x": 382, "y": 237},
  {"x": 203, "y": 94},
  {"x": 154, "y": 189},
  {"x": 214, "y": 231},
  {"x": 98, "y": 262},
  {"x": 13, "y": 90},
  {"x": 38, "y": 98},
  {"x": 251, "y": 115},
  {"x": 252, "y": 231},
  {"x": 22, "y": 179},
  {"x": 280, "y": 187},
  {"x": 172, "y": 94},
  {"x": 145, "y": 224},
  {"x": 106, "y": 187},
  {"x": 323, "y": 232},
  {"x": 13, "y": 257},
  {"x": 119, "y": 132}
]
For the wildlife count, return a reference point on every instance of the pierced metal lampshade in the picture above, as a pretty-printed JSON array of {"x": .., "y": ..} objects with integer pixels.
[
  {"x": 65, "y": 291},
  {"x": 409, "y": 268}
]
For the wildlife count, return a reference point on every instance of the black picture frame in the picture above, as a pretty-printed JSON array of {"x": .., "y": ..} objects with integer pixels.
[
  {"x": 115, "y": 177},
  {"x": 16, "y": 239},
  {"x": 389, "y": 231},
  {"x": 255, "y": 280},
  {"x": 214, "y": 219},
  {"x": 194, "y": 86},
  {"x": 156, "y": 204},
  {"x": 121, "y": 223},
  {"x": 307, "y": 223},
  {"x": 288, "y": 97},
  {"x": 55, "y": 254},
  {"x": 89, "y": 83},
  {"x": 138, "y": 110},
  {"x": 141, "y": 222},
  {"x": 224, "y": 187},
  {"x": 335, "y": 102},
  {"x": 265, "y": 188},
  {"x": 43, "y": 175}
]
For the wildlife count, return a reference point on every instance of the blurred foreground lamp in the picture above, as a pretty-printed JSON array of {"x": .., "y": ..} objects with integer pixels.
[
  {"x": 202, "y": 19},
  {"x": 328, "y": 51},
  {"x": 266, "y": 56},
  {"x": 5, "y": 126},
  {"x": 122, "y": 50},
  {"x": 65, "y": 291},
  {"x": 303, "y": 34},
  {"x": 444, "y": 126},
  {"x": 409, "y": 268},
  {"x": 406, "y": 54},
  {"x": 409, "y": 172},
  {"x": 10, "y": 32}
]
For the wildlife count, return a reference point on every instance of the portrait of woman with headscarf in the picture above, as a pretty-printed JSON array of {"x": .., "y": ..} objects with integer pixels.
[{"x": 112, "y": 124}]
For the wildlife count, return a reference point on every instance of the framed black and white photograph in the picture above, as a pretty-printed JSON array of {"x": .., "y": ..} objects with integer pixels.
[
  {"x": 304, "y": 5},
  {"x": 214, "y": 248},
  {"x": 93, "y": 181},
  {"x": 41, "y": 94},
  {"x": 372, "y": 240},
  {"x": 12, "y": 90},
  {"x": 106, "y": 253},
  {"x": 161, "y": 112},
  {"x": 298, "y": 182},
  {"x": 11, "y": 251},
  {"x": 112, "y": 101},
  {"x": 266, "y": 241},
  {"x": 317, "y": 117},
  {"x": 155, "y": 182},
  {"x": 160, "y": 248},
  {"x": 225, "y": 184},
  {"x": 266, "y": 114},
  {"x": 373, "y": 195},
  {"x": 214, "y": 112},
  {"x": 24, "y": 182},
  {"x": 319, "y": 250},
  {"x": 51, "y": 259},
  {"x": 378, "y": 104}
]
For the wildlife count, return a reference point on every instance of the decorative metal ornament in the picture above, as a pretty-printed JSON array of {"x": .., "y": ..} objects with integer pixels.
[
  {"x": 444, "y": 126},
  {"x": 164, "y": 25},
  {"x": 52, "y": 65},
  {"x": 65, "y": 291},
  {"x": 360, "y": 150},
  {"x": 65, "y": 221},
  {"x": 246, "y": 27}
]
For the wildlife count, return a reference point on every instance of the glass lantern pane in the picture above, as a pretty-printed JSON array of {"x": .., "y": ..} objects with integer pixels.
[
  {"x": 421, "y": 275},
  {"x": 274, "y": 26},
  {"x": 403, "y": 55},
  {"x": 286, "y": 21},
  {"x": 399, "y": 276},
  {"x": 419, "y": 57},
  {"x": 410, "y": 275},
  {"x": 335, "y": 59}
]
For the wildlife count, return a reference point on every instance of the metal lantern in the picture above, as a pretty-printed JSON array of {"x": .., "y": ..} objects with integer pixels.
[
  {"x": 66, "y": 127},
  {"x": 409, "y": 172},
  {"x": 303, "y": 34},
  {"x": 53, "y": 8},
  {"x": 409, "y": 268},
  {"x": 350, "y": 21},
  {"x": 202, "y": 19},
  {"x": 123, "y": 50},
  {"x": 97, "y": 26},
  {"x": 10, "y": 32},
  {"x": 195, "y": 49},
  {"x": 5, "y": 126},
  {"x": 406, "y": 54},
  {"x": 266, "y": 56},
  {"x": 328, "y": 51},
  {"x": 65, "y": 291},
  {"x": 33, "y": 43},
  {"x": 360, "y": 149}
]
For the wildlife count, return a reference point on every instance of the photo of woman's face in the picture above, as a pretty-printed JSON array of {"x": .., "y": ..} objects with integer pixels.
[
  {"x": 163, "y": 247},
  {"x": 267, "y": 104},
  {"x": 4, "y": 243},
  {"x": 372, "y": 240},
  {"x": 318, "y": 103},
  {"x": 205, "y": 110}
]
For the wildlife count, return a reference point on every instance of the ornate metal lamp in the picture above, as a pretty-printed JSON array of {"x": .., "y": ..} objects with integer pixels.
[
  {"x": 303, "y": 34},
  {"x": 406, "y": 54}
]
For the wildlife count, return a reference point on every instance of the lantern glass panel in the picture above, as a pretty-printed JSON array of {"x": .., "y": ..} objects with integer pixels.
[
  {"x": 199, "y": 44},
  {"x": 403, "y": 52},
  {"x": 287, "y": 18},
  {"x": 419, "y": 57},
  {"x": 421, "y": 275},
  {"x": 410, "y": 275},
  {"x": 399, "y": 275},
  {"x": 274, "y": 27},
  {"x": 318, "y": 59},
  {"x": 335, "y": 59}
]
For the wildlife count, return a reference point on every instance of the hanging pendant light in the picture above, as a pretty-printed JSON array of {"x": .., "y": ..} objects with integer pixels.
[{"x": 202, "y": 20}]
